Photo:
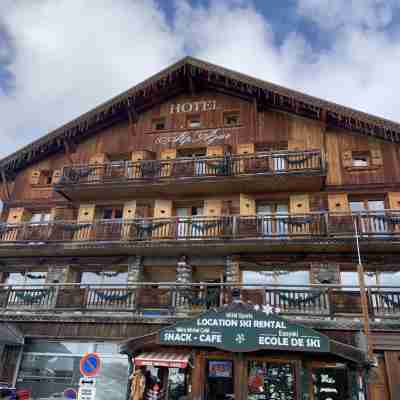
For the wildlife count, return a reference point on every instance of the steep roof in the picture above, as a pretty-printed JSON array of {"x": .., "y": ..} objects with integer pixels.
[{"x": 181, "y": 76}]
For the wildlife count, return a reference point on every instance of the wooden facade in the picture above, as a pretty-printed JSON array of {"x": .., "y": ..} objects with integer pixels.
[{"x": 199, "y": 178}]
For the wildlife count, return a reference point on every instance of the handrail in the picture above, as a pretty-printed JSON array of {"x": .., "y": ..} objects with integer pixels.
[
  {"x": 376, "y": 224},
  {"x": 269, "y": 163}
]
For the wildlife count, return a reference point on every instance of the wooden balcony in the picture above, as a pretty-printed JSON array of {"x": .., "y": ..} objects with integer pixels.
[
  {"x": 167, "y": 299},
  {"x": 322, "y": 231},
  {"x": 278, "y": 171}
]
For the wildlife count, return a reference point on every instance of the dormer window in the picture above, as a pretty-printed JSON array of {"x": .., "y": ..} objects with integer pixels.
[
  {"x": 360, "y": 159},
  {"x": 159, "y": 124},
  {"x": 232, "y": 118},
  {"x": 193, "y": 121}
]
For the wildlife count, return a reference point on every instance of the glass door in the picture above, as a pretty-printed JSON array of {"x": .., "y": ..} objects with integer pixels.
[
  {"x": 273, "y": 218},
  {"x": 271, "y": 380},
  {"x": 182, "y": 214},
  {"x": 219, "y": 380}
]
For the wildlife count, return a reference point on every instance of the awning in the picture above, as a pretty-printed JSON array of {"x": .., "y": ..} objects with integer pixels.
[{"x": 170, "y": 360}]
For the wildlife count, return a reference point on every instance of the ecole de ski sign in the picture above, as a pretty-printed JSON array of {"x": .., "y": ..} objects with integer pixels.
[{"x": 244, "y": 330}]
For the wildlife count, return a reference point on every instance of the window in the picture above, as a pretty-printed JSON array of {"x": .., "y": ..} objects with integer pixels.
[
  {"x": 111, "y": 212},
  {"x": 360, "y": 159},
  {"x": 273, "y": 218},
  {"x": 117, "y": 277},
  {"x": 48, "y": 368},
  {"x": 193, "y": 121},
  {"x": 232, "y": 118},
  {"x": 40, "y": 217},
  {"x": 27, "y": 277},
  {"x": 159, "y": 124},
  {"x": 276, "y": 276}
]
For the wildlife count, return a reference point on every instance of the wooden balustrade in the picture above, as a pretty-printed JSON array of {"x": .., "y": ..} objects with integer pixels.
[
  {"x": 372, "y": 225},
  {"x": 324, "y": 302},
  {"x": 200, "y": 167}
]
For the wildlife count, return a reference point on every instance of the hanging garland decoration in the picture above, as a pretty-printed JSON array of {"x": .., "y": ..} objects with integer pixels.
[
  {"x": 35, "y": 297},
  {"x": 75, "y": 227},
  {"x": 145, "y": 228},
  {"x": 204, "y": 226},
  {"x": 273, "y": 274},
  {"x": 113, "y": 296},
  {"x": 107, "y": 274},
  {"x": 150, "y": 168},
  {"x": 74, "y": 175},
  {"x": 301, "y": 300},
  {"x": 389, "y": 301},
  {"x": 297, "y": 161},
  {"x": 211, "y": 297},
  {"x": 32, "y": 276},
  {"x": 223, "y": 167}
]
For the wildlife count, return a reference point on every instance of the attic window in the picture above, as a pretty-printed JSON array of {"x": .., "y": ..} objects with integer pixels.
[
  {"x": 193, "y": 121},
  {"x": 159, "y": 124},
  {"x": 232, "y": 118},
  {"x": 360, "y": 159}
]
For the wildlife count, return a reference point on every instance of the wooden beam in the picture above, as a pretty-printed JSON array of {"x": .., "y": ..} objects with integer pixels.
[
  {"x": 5, "y": 184},
  {"x": 70, "y": 148}
]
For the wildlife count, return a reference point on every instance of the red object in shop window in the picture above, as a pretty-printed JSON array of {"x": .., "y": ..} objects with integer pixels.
[{"x": 23, "y": 394}]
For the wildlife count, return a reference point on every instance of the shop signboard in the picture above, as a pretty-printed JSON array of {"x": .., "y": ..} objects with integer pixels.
[{"x": 240, "y": 328}]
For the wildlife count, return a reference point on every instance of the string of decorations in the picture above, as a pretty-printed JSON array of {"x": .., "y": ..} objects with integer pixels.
[
  {"x": 36, "y": 296},
  {"x": 297, "y": 301},
  {"x": 389, "y": 301},
  {"x": 113, "y": 296},
  {"x": 33, "y": 276},
  {"x": 273, "y": 274},
  {"x": 108, "y": 274}
]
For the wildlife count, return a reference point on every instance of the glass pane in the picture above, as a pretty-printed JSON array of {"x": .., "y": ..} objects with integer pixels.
[
  {"x": 112, "y": 277},
  {"x": 264, "y": 209},
  {"x": 351, "y": 278},
  {"x": 356, "y": 206},
  {"x": 277, "y": 277},
  {"x": 113, "y": 379},
  {"x": 271, "y": 381},
  {"x": 376, "y": 205},
  {"x": 58, "y": 347},
  {"x": 282, "y": 208},
  {"x": 389, "y": 278}
]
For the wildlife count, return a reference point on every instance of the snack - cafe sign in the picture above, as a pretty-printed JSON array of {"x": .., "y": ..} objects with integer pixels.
[{"x": 240, "y": 329}]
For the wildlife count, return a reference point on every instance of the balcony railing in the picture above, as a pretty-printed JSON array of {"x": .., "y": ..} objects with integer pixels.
[
  {"x": 283, "y": 162},
  {"x": 371, "y": 225},
  {"x": 170, "y": 298}
]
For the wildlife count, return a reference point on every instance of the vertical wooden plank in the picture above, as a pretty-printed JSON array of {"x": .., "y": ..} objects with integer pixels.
[{"x": 392, "y": 362}]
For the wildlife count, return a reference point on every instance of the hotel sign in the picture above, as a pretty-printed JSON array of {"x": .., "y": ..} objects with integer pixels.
[
  {"x": 241, "y": 329},
  {"x": 194, "y": 106}
]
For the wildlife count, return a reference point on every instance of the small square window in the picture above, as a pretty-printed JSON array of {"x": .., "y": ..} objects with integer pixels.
[
  {"x": 193, "y": 121},
  {"x": 159, "y": 124},
  {"x": 231, "y": 118},
  {"x": 360, "y": 159}
]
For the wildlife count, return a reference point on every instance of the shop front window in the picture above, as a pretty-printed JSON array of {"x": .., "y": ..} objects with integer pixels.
[
  {"x": 271, "y": 381},
  {"x": 49, "y": 368}
]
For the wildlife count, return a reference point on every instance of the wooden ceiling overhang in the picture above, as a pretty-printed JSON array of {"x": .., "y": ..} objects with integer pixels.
[{"x": 192, "y": 75}]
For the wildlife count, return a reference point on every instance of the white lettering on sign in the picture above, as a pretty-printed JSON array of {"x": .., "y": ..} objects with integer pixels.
[
  {"x": 194, "y": 106},
  {"x": 208, "y": 136}
]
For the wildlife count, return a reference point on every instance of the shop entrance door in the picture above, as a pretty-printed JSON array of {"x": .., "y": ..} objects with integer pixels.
[
  {"x": 219, "y": 380},
  {"x": 271, "y": 380}
]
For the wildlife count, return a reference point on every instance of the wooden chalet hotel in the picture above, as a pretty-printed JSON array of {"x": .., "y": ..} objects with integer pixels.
[{"x": 199, "y": 232}]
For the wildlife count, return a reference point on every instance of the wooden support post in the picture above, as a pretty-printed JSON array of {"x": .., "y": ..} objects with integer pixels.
[
  {"x": 69, "y": 150},
  {"x": 5, "y": 184}
]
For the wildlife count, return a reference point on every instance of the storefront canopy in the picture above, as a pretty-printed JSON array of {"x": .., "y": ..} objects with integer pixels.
[
  {"x": 240, "y": 327},
  {"x": 10, "y": 335},
  {"x": 170, "y": 360}
]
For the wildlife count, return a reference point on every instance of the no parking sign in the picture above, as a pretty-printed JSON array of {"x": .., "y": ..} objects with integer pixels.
[{"x": 90, "y": 365}]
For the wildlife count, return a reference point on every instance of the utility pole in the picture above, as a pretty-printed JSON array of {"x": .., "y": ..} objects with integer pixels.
[{"x": 363, "y": 294}]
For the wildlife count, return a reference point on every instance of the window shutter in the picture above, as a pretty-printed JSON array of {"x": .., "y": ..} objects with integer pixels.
[
  {"x": 168, "y": 154},
  {"x": 394, "y": 200},
  {"x": 212, "y": 208},
  {"x": 86, "y": 213},
  {"x": 215, "y": 151},
  {"x": 347, "y": 159},
  {"x": 163, "y": 209},
  {"x": 129, "y": 211},
  {"x": 338, "y": 202},
  {"x": 246, "y": 148},
  {"x": 300, "y": 204},
  {"x": 376, "y": 157},
  {"x": 35, "y": 177},
  {"x": 17, "y": 215},
  {"x": 247, "y": 205}
]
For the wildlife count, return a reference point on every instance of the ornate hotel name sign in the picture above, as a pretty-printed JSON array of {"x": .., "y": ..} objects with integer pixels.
[
  {"x": 205, "y": 136},
  {"x": 240, "y": 329},
  {"x": 194, "y": 106}
]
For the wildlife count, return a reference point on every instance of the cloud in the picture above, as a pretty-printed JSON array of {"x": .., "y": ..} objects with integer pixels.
[
  {"x": 67, "y": 56},
  {"x": 71, "y": 55}
]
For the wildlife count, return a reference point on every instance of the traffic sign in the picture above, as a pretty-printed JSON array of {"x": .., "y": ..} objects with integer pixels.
[
  {"x": 90, "y": 365},
  {"x": 87, "y": 388},
  {"x": 70, "y": 394}
]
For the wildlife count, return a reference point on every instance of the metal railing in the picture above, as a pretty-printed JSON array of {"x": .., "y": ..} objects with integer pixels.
[
  {"x": 373, "y": 225},
  {"x": 168, "y": 298},
  {"x": 282, "y": 162}
]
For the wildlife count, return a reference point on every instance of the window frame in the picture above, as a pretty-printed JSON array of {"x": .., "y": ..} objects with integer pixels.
[
  {"x": 159, "y": 120},
  {"x": 228, "y": 114}
]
